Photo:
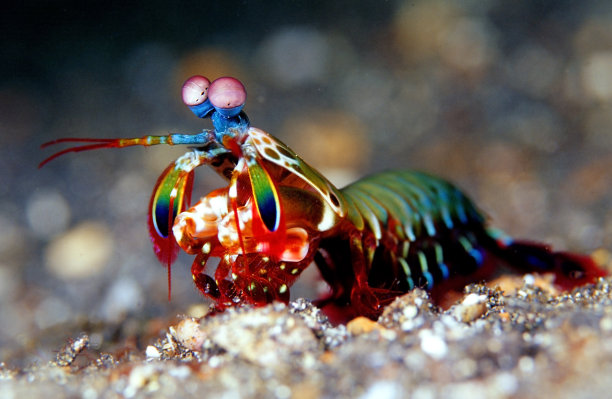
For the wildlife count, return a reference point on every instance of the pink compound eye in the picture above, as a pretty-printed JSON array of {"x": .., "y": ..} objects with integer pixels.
[
  {"x": 227, "y": 93},
  {"x": 195, "y": 90}
]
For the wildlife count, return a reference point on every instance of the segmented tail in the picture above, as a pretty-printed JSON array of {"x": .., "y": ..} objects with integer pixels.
[
  {"x": 430, "y": 235},
  {"x": 571, "y": 270}
]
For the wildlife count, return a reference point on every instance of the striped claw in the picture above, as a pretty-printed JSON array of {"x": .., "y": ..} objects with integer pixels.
[{"x": 227, "y": 95}]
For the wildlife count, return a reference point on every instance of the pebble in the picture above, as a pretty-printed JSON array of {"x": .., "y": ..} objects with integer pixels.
[
  {"x": 432, "y": 344},
  {"x": 124, "y": 295},
  {"x": 143, "y": 377},
  {"x": 189, "y": 334},
  {"x": 347, "y": 145},
  {"x": 384, "y": 389},
  {"x": 82, "y": 252},
  {"x": 52, "y": 312},
  {"x": 596, "y": 76},
  {"x": 47, "y": 212},
  {"x": 294, "y": 56},
  {"x": 472, "y": 307},
  {"x": 152, "y": 352},
  {"x": 267, "y": 336},
  {"x": 361, "y": 325}
]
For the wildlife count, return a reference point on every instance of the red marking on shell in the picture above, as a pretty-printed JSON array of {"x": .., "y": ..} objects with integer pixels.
[
  {"x": 226, "y": 93},
  {"x": 195, "y": 90}
]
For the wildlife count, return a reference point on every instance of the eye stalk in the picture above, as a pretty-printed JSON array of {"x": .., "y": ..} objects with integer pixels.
[
  {"x": 221, "y": 101},
  {"x": 224, "y": 98}
]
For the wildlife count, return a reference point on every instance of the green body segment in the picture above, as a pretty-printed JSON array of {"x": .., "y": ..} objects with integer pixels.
[
  {"x": 418, "y": 222},
  {"x": 416, "y": 200}
]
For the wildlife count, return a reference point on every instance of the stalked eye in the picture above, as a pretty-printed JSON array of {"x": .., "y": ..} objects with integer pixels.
[
  {"x": 227, "y": 95},
  {"x": 195, "y": 90}
]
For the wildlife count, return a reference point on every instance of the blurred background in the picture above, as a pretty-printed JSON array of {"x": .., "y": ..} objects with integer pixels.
[{"x": 512, "y": 101}]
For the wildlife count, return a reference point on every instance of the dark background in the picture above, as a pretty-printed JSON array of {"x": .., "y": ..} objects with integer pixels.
[{"x": 510, "y": 100}]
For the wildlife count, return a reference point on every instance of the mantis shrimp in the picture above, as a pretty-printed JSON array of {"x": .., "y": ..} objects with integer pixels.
[{"x": 373, "y": 240}]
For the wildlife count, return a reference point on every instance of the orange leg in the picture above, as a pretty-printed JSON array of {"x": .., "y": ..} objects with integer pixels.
[
  {"x": 204, "y": 282},
  {"x": 362, "y": 295}
]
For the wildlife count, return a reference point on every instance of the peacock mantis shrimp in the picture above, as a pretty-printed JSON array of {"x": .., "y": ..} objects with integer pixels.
[{"x": 372, "y": 240}]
